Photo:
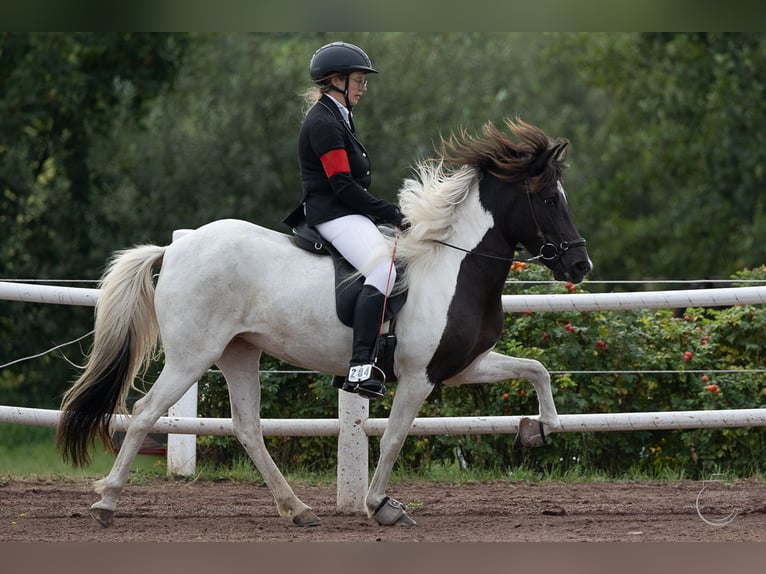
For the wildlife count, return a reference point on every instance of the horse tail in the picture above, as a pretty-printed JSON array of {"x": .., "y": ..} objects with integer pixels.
[{"x": 125, "y": 340}]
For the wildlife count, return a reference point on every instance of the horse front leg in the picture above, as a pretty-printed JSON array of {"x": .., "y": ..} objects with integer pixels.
[
  {"x": 410, "y": 395},
  {"x": 494, "y": 367}
]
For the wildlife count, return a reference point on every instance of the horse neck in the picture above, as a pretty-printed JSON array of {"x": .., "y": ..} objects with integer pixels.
[
  {"x": 427, "y": 252},
  {"x": 472, "y": 222}
]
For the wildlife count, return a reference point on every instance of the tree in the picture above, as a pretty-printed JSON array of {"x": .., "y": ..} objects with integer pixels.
[
  {"x": 679, "y": 189},
  {"x": 57, "y": 92}
]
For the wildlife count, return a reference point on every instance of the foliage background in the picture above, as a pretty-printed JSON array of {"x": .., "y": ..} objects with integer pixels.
[{"x": 109, "y": 140}]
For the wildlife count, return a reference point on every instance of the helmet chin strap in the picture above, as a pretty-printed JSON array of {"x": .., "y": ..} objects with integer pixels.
[{"x": 344, "y": 91}]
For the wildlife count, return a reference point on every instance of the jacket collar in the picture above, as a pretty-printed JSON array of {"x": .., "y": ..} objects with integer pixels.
[{"x": 331, "y": 104}]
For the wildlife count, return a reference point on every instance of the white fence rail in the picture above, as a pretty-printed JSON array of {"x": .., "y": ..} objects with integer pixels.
[
  {"x": 353, "y": 426},
  {"x": 602, "y": 422}
]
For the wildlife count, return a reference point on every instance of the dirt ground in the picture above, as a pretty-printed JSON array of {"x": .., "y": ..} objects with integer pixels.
[{"x": 161, "y": 510}]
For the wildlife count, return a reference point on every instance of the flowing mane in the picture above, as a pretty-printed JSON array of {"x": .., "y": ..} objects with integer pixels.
[
  {"x": 534, "y": 156},
  {"x": 429, "y": 199}
]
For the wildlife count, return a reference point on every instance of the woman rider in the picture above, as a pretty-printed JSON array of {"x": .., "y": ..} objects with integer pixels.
[{"x": 335, "y": 172}]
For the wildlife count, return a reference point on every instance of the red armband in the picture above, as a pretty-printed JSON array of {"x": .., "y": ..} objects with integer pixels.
[{"x": 335, "y": 161}]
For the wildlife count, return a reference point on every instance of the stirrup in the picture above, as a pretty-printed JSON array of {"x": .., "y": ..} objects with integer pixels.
[
  {"x": 368, "y": 389},
  {"x": 363, "y": 381}
]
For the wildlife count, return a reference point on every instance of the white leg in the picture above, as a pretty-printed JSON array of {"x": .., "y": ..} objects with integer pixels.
[
  {"x": 239, "y": 364},
  {"x": 494, "y": 367},
  {"x": 169, "y": 387},
  {"x": 410, "y": 395}
]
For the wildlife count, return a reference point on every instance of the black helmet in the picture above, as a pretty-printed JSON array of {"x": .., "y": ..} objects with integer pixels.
[{"x": 339, "y": 58}]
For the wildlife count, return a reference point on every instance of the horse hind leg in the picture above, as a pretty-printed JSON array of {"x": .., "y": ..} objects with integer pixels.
[
  {"x": 239, "y": 364},
  {"x": 169, "y": 387}
]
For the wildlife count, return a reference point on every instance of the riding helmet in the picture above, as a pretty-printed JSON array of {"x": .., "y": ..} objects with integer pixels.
[{"x": 339, "y": 58}]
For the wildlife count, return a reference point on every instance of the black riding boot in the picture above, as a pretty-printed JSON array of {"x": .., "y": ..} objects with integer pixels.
[{"x": 363, "y": 376}]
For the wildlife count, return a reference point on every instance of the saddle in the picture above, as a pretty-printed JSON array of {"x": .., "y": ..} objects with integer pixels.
[{"x": 348, "y": 284}]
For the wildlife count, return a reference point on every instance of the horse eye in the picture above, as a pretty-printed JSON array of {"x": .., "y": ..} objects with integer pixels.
[{"x": 549, "y": 202}]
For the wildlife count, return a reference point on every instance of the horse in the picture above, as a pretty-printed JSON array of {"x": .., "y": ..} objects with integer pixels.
[{"x": 231, "y": 290}]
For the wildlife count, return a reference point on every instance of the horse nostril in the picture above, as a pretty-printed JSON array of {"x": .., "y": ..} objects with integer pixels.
[{"x": 583, "y": 267}]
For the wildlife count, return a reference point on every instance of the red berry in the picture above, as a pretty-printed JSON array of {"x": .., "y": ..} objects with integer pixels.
[
  {"x": 688, "y": 356},
  {"x": 705, "y": 378},
  {"x": 713, "y": 389}
]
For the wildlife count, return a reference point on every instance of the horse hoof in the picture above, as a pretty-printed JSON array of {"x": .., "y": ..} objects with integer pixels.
[
  {"x": 391, "y": 512},
  {"x": 103, "y": 516},
  {"x": 306, "y": 518},
  {"x": 531, "y": 433}
]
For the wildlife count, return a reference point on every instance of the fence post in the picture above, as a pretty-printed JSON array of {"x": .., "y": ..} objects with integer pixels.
[
  {"x": 353, "y": 452},
  {"x": 182, "y": 448}
]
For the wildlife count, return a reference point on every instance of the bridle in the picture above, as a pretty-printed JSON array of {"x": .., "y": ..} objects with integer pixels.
[{"x": 549, "y": 251}]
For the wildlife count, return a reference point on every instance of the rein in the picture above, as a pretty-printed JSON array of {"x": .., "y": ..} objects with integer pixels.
[
  {"x": 473, "y": 252},
  {"x": 548, "y": 251},
  {"x": 388, "y": 284}
]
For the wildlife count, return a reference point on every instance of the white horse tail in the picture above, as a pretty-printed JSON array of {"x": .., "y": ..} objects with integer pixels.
[{"x": 125, "y": 339}]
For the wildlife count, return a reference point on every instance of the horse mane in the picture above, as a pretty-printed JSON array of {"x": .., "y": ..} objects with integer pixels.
[
  {"x": 533, "y": 156},
  {"x": 429, "y": 200}
]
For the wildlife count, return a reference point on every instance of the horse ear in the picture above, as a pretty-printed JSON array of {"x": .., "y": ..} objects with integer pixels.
[
  {"x": 541, "y": 161},
  {"x": 556, "y": 152},
  {"x": 559, "y": 151}
]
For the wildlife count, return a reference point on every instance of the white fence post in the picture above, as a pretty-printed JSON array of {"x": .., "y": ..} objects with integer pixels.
[
  {"x": 353, "y": 452},
  {"x": 182, "y": 448}
]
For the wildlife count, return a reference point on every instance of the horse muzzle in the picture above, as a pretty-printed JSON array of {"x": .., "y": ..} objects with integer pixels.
[{"x": 569, "y": 260}]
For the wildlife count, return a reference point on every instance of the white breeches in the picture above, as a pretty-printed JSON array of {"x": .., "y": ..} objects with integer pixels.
[{"x": 358, "y": 239}]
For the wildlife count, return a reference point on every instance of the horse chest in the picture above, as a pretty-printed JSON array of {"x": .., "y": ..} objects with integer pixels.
[{"x": 474, "y": 324}]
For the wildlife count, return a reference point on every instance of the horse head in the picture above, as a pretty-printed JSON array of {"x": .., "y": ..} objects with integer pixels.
[
  {"x": 552, "y": 236},
  {"x": 521, "y": 185}
]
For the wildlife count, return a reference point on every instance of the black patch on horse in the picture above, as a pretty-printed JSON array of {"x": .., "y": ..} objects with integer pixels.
[{"x": 475, "y": 316}]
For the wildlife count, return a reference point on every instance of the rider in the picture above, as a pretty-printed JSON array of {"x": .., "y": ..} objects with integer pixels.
[{"x": 335, "y": 172}]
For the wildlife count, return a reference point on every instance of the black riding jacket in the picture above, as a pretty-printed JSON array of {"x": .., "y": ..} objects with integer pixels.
[{"x": 335, "y": 170}]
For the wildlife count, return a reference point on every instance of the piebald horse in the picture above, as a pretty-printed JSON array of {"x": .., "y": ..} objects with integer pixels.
[{"x": 231, "y": 290}]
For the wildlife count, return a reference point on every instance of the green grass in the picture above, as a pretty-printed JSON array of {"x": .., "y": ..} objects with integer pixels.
[{"x": 30, "y": 451}]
